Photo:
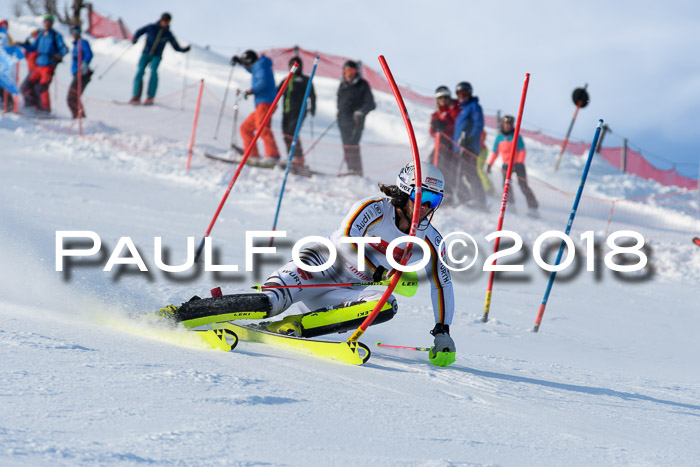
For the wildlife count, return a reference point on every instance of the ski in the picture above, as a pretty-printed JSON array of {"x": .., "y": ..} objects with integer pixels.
[
  {"x": 354, "y": 353},
  {"x": 696, "y": 240},
  {"x": 261, "y": 162},
  {"x": 230, "y": 160},
  {"x": 135, "y": 104},
  {"x": 216, "y": 339}
]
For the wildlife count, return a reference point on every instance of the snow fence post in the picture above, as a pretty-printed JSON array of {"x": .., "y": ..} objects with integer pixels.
[{"x": 194, "y": 125}]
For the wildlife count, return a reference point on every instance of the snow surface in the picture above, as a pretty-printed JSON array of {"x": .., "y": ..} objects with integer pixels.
[{"x": 611, "y": 378}]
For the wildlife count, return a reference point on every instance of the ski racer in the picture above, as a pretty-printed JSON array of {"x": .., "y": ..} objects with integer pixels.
[{"x": 340, "y": 309}]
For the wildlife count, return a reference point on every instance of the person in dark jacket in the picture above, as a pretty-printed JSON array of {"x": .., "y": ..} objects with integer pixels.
[
  {"x": 467, "y": 134},
  {"x": 157, "y": 35},
  {"x": 355, "y": 101},
  {"x": 51, "y": 48},
  {"x": 262, "y": 86},
  {"x": 82, "y": 53},
  {"x": 291, "y": 108}
]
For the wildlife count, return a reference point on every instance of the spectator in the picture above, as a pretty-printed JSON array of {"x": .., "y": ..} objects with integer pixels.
[
  {"x": 51, "y": 48},
  {"x": 31, "y": 56},
  {"x": 293, "y": 100},
  {"x": 6, "y": 74},
  {"x": 467, "y": 134},
  {"x": 355, "y": 101},
  {"x": 81, "y": 54},
  {"x": 264, "y": 90},
  {"x": 502, "y": 147},
  {"x": 442, "y": 122},
  {"x": 481, "y": 161},
  {"x": 157, "y": 35}
]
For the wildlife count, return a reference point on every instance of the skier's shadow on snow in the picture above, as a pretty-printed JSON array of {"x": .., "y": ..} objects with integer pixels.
[{"x": 590, "y": 390}]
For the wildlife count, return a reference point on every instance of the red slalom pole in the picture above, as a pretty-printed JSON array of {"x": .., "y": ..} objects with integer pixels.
[
  {"x": 194, "y": 125},
  {"x": 417, "y": 203},
  {"x": 504, "y": 198},
  {"x": 248, "y": 150}
]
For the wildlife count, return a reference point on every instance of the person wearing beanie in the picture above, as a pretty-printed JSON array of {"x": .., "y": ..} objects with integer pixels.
[
  {"x": 157, "y": 35},
  {"x": 82, "y": 54},
  {"x": 291, "y": 108},
  {"x": 264, "y": 90},
  {"x": 51, "y": 48},
  {"x": 355, "y": 101}
]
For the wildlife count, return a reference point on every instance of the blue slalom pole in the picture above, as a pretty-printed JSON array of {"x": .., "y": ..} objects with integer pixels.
[
  {"x": 538, "y": 321},
  {"x": 294, "y": 145}
]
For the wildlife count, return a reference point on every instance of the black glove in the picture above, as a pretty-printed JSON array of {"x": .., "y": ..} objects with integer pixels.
[
  {"x": 488, "y": 169},
  {"x": 379, "y": 274},
  {"x": 58, "y": 58},
  {"x": 247, "y": 93},
  {"x": 235, "y": 60},
  {"x": 186, "y": 49},
  {"x": 134, "y": 41}
]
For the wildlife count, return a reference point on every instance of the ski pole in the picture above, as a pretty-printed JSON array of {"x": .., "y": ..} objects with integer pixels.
[
  {"x": 420, "y": 349},
  {"x": 115, "y": 61},
  {"x": 184, "y": 81},
  {"x": 234, "y": 134},
  {"x": 293, "y": 146},
  {"x": 540, "y": 313},
  {"x": 223, "y": 102},
  {"x": 415, "y": 219},
  {"x": 407, "y": 286},
  {"x": 504, "y": 198},
  {"x": 313, "y": 145},
  {"x": 246, "y": 154}
]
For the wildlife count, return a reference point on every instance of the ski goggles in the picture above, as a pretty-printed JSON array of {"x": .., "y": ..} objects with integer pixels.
[{"x": 434, "y": 199}]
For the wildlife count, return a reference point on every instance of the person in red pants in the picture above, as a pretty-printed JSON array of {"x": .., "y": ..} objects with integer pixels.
[
  {"x": 264, "y": 89},
  {"x": 51, "y": 48}
]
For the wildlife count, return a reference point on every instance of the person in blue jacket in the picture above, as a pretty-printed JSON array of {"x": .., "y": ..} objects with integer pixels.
[
  {"x": 264, "y": 89},
  {"x": 82, "y": 53},
  {"x": 157, "y": 35},
  {"x": 467, "y": 135},
  {"x": 51, "y": 48}
]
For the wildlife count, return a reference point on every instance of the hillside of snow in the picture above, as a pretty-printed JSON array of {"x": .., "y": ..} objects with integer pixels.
[{"x": 610, "y": 379}]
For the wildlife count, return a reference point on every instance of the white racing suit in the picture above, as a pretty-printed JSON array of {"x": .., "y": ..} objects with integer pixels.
[{"x": 371, "y": 217}]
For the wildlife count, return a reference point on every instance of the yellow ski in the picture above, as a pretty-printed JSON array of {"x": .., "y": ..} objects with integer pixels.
[{"x": 355, "y": 353}]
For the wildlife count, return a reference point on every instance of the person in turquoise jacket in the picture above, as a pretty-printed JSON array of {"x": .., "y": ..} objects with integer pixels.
[
  {"x": 157, "y": 35},
  {"x": 503, "y": 147}
]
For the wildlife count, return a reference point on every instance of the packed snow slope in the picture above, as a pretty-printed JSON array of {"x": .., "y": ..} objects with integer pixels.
[{"x": 611, "y": 378}]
